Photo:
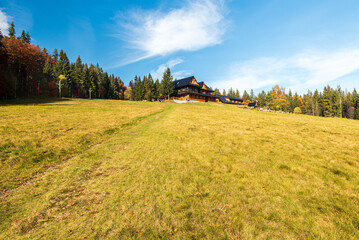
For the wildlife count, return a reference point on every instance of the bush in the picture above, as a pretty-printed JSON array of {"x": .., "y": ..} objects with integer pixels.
[{"x": 297, "y": 110}]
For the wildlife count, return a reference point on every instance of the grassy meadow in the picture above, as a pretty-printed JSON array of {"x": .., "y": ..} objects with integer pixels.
[{"x": 81, "y": 169}]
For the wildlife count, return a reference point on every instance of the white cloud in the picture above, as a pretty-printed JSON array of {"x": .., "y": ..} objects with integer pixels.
[
  {"x": 299, "y": 72},
  {"x": 4, "y": 22},
  {"x": 158, "y": 73},
  {"x": 198, "y": 24}
]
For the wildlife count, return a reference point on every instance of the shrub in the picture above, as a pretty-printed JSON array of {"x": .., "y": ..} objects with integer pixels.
[{"x": 297, "y": 110}]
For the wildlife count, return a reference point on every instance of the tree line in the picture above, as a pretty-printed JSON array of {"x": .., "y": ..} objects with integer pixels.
[
  {"x": 150, "y": 90},
  {"x": 329, "y": 103},
  {"x": 28, "y": 70}
]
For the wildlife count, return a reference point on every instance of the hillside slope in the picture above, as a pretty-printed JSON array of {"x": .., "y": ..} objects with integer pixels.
[{"x": 149, "y": 170}]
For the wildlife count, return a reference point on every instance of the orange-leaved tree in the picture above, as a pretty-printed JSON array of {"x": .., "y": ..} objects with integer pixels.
[{"x": 279, "y": 99}]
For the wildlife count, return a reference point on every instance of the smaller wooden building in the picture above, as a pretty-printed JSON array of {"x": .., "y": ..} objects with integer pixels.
[{"x": 229, "y": 100}]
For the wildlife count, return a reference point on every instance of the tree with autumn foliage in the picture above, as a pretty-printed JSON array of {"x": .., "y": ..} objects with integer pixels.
[
  {"x": 279, "y": 99},
  {"x": 25, "y": 65}
]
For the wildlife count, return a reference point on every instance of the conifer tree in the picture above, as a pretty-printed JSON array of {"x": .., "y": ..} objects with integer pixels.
[
  {"x": 245, "y": 96},
  {"x": 77, "y": 75},
  {"x": 12, "y": 29},
  {"x": 166, "y": 83},
  {"x": 28, "y": 37},
  {"x": 55, "y": 55},
  {"x": 48, "y": 70},
  {"x": 147, "y": 89},
  {"x": 151, "y": 88},
  {"x": 23, "y": 36},
  {"x": 131, "y": 85},
  {"x": 268, "y": 99},
  {"x": 224, "y": 92},
  {"x": 327, "y": 102},
  {"x": 251, "y": 96},
  {"x": 261, "y": 99},
  {"x": 156, "y": 91},
  {"x": 290, "y": 100}
]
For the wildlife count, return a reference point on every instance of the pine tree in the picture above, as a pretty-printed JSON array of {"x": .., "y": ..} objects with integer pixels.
[
  {"x": 268, "y": 99},
  {"x": 147, "y": 89},
  {"x": 316, "y": 103},
  {"x": 336, "y": 101},
  {"x": 327, "y": 102},
  {"x": 157, "y": 87},
  {"x": 86, "y": 78},
  {"x": 224, "y": 92},
  {"x": 151, "y": 88},
  {"x": 231, "y": 92},
  {"x": 245, "y": 96},
  {"x": 48, "y": 71},
  {"x": 12, "y": 29},
  {"x": 167, "y": 85},
  {"x": 23, "y": 36},
  {"x": 55, "y": 55},
  {"x": 28, "y": 37},
  {"x": 251, "y": 96},
  {"x": 237, "y": 94},
  {"x": 290, "y": 100},
  {"x": 131, "y": 85},
  {"x": 356, "y": 103},
  {"x": 261, "y": 99},
  {"x": 77, "y": 75}
]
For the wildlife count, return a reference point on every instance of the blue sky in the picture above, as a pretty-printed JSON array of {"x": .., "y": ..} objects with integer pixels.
[{"x": 244, "y": 44}]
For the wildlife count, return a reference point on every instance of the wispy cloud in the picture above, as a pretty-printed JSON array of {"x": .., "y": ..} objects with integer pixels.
[
  {"x": 4, "y": 22},
  {"x": 158, "y": 73},
  {"x": 299, "y": 72},
  {"x": 196, "y": 25},
  {"x": 21, "y": 15}
]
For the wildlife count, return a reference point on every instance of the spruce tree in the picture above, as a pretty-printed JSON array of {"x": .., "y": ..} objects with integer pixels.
[
  {"x": 245, "y": 97},
  {"x": 251, "y": 96},
  {"x": 28, "y": 37},
  {"x": 151, "y": 88},
  {"x": 23, "y": 36},
  {"x": 327, "y": 102},
  {"x": 147, "y": 89},
  {"x": 12, "y": 29},
  {"x": 167, "y": 85},
  {"x": 55, "y": 55},
  {"x": 77, "y": 75},
  {"x": 156, "y": 91},
  {"x": 290, "y": 100},
  {"x": 48, "y": 71}
]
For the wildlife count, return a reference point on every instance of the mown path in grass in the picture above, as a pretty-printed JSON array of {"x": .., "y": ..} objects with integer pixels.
[{"x": 199, "y": 171}]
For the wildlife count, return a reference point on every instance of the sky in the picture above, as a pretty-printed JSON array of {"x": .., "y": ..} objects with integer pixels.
[{"x": 243, "y": 44}]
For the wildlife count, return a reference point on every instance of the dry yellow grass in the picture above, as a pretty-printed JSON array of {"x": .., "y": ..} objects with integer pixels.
[{"x": 188, "y": 171}]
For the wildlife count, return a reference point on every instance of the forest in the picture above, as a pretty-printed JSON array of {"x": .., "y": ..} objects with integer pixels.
[
  {"x": 27, "y": 70},
  {"x": 329, "y": 103}
]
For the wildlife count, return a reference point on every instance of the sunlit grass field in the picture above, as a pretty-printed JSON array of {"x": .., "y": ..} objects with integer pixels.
[{"x": 75, "y": 169}]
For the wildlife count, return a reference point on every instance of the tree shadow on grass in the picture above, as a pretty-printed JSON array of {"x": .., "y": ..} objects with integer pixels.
[{"x": 32, "y": 101}]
